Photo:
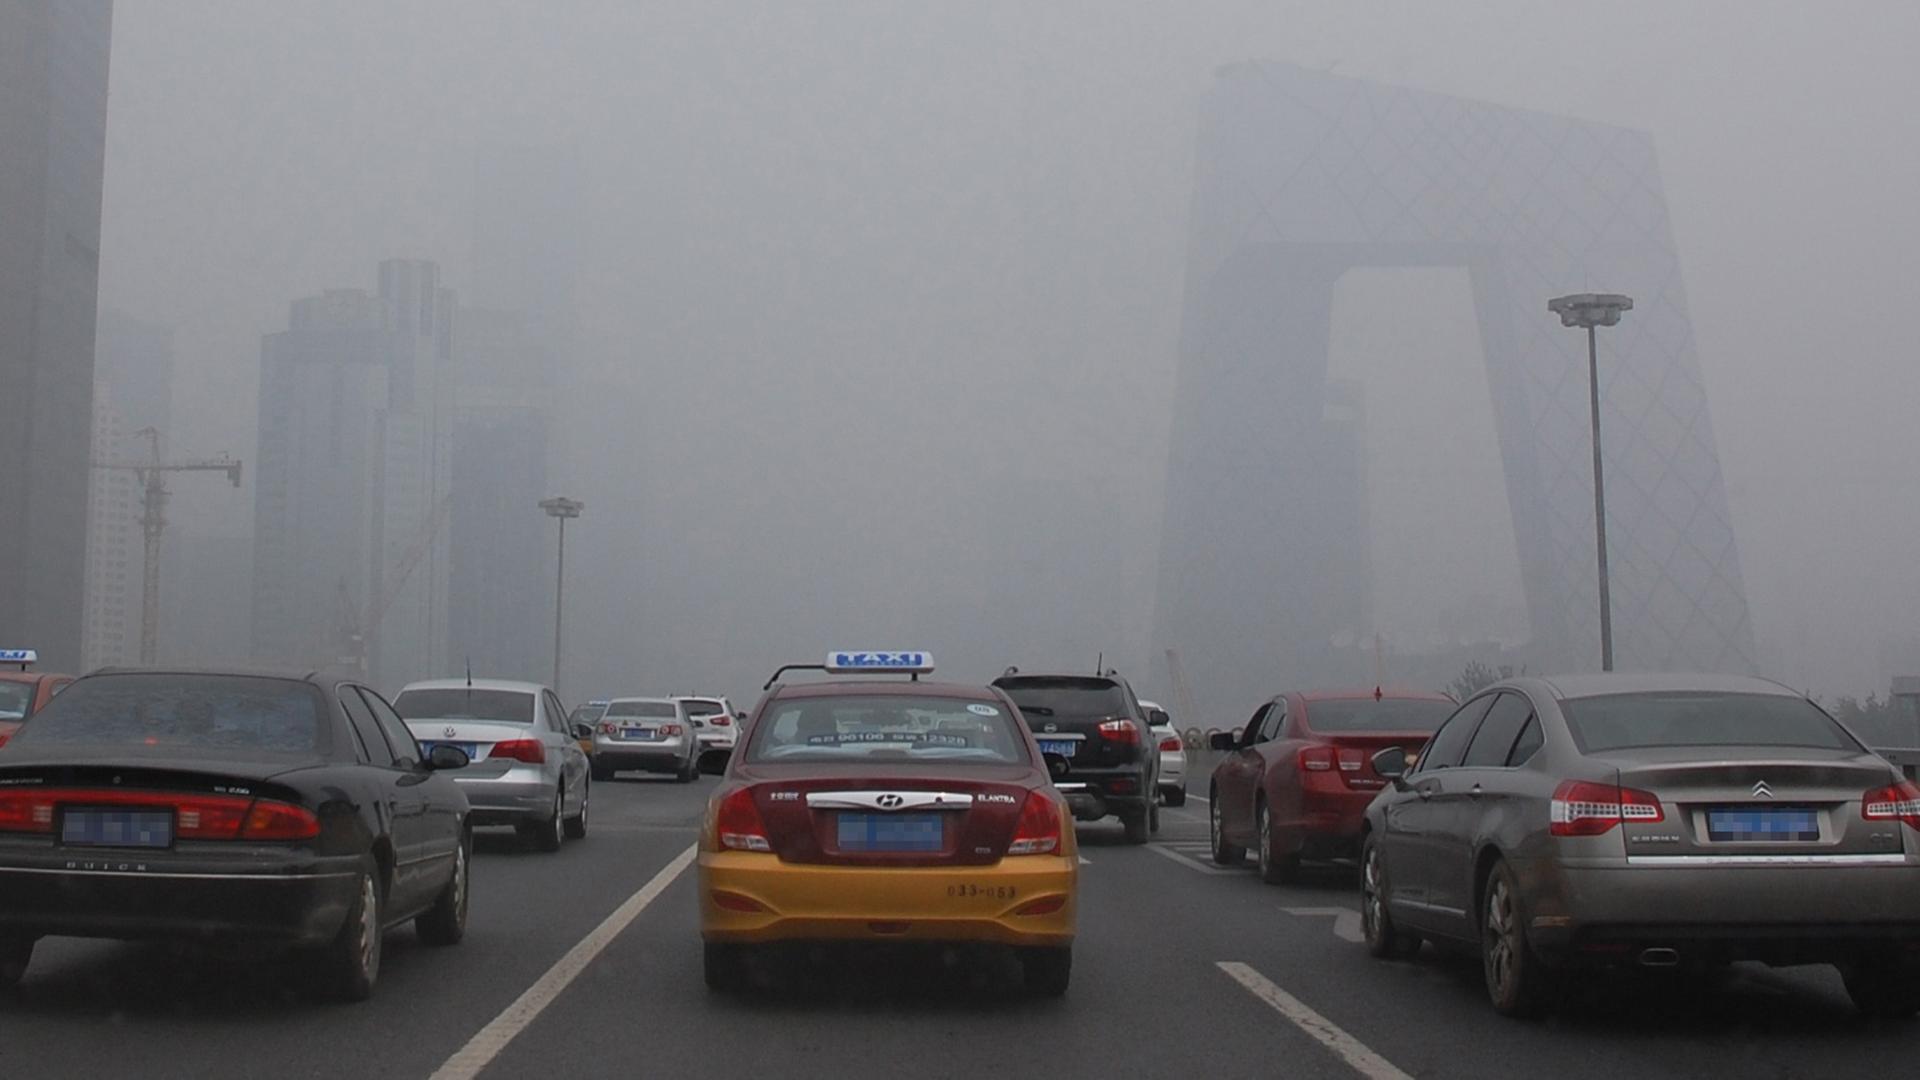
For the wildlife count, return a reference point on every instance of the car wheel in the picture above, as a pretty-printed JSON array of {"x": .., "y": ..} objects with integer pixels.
[
  {"x": 1048, "y": 969},
  {"x": 1224, "y": 854},
  {"x": 602, "y": 772},
  {"x": 689, "y": 772},
  {"x": 1883, "y": 987},
  {"x": 1136, "y": 824},
  {"x": 1275, "y": 868},
  {"x": 545, "y": 835},
  {"x": 1174, "y": 796},
  {"x": 445, "y": 923},
  {"x": 15, "y": 954},
  {"x": 577, "y": 824},
  {"x": 348, "y": 966},
  {"x": 1376, "y": 921},
  {"x": 726, "y": 968},
  {"x": 1517, "y": 982}
]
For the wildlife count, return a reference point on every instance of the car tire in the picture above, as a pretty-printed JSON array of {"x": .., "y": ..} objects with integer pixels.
[
  {"x": 726, "y": 968},
  {"x": 346, "y": 968},
  {"x": 1883, "y": 987},
  {"x": 445, "y": 923},
  {"x": 1518, "y": 984},
  {"x": 1275, "y": 868},
  {"x": 602, "y": 772},
  {"x": 1174, "y": 796},
  {"x": 16, "y": 952},
  {"x": 1224, "y": 854},
  {"x": 1153, "y": 816},
  {"x": 1135, "y": 822},
  {"x": 1383, "y": 938},
  {"x": 1048, "y": 969},
  {"x": 689, "y": 772},
  {"x": 547, "y": 835},
  {"x": 576, "y": 826}
]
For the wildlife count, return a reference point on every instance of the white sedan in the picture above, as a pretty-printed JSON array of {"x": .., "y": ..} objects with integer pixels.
[{"x": 1173, "y": 755}]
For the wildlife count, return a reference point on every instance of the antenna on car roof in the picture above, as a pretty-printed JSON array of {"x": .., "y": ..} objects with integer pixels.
[
  {"x": 469, "y": 659},
  {"x": 1099, "y": 662}
]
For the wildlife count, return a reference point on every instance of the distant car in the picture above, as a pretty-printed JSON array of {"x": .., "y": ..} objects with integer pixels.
[
  {"x": 23, "y": 693},
  {"x": 1294, "y": 784},
  {"x": 1173, "y": 755},
  {"x": 230, "y": 809},
  {"x": 649, "y": 734},
  {"x": 528, "y": 771},
  {"x": 586, "y": 717},
  {"x": 714, "y": 720},
  {"x": 1651, "y": 821},
  {"x": 1097, "y": 745},
  {"x": 889, "y": 811}
]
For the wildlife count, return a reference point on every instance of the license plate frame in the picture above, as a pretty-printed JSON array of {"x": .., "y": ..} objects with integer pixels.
[
  {"x": 639, "y": 734},
  {"x": 1763, "y": 824},
  {"x": 909, "y": 833},
  {"x": 116, "y": 827},
  {"x": 1065, "y": 748}
]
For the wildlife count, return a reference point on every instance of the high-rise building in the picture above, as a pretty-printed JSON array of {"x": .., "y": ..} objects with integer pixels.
[
  {"x": 53, "y": 117},
  {"x": 352, "y": 486},
  {"x": 132, "y": 395}
]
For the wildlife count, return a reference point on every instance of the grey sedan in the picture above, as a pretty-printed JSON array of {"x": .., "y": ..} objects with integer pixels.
[{"x": 1599, "y": 821}]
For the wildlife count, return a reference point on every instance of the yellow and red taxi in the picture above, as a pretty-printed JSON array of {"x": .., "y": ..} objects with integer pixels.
[
  {"x": 24, "y": 692},
  {"x": 872, "y": 811}
]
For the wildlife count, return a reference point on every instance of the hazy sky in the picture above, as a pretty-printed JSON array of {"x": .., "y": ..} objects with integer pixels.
[{"x": 879, "y": 305}]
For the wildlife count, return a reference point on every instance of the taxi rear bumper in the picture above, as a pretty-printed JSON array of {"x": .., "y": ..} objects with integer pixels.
[{"x": 754, "y": 898}]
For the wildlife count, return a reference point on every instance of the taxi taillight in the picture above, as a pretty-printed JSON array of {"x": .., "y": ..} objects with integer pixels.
[
  {"x": 1038, "y": 832},
  {"x": 737, "y": 824}
]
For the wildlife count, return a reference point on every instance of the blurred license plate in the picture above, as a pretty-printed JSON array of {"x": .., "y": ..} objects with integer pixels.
[
  {"x": 467, "y": 748},
  {"x": 640, "y": 734},
  {"x": 1063, "y": 747},
  {"x": 117, "y": 828},
  {"x": 892, "y": 832},
  {"x": 1764, "y": 823}
]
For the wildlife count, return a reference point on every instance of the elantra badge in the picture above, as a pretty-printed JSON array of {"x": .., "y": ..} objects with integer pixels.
[{"x": 1761, "y": 790}]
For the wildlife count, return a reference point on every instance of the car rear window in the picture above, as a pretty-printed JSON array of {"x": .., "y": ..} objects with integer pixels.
[
  {"x": 653, "y": 710},
  {"x": 587, "y": 714},
  {"x": 460, "y": 703},
  {"x": 703, "y": 706},
  {"x": 1334, "y": 717},
  {"x": 1621, "y": 721},
  {"x": 158, "y": 713},
  {"x": 14, "y": 699},
  {"x": 1066, "y": 697},
  {"x": 887, "y": 728}
]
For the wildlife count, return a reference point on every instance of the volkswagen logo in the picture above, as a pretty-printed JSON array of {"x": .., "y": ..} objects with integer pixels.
[
  {"x": 889, "y": 801},
  {"x": 1051, "y": 727},
  {"x": 450, "y": 732},
  {"x": 1761, "y": 790}
]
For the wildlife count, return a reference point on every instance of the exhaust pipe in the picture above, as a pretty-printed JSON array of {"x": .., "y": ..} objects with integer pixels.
[{"x": 1659, "y": 957}]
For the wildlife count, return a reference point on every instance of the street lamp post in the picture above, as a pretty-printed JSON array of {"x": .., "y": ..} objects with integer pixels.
[
  {"x": 561, "y": 508},
  {"x": 1591, "y": 310}
]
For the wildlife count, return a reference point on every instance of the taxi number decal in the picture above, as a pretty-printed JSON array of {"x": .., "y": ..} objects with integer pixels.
[{"x": 990, "y": 892}]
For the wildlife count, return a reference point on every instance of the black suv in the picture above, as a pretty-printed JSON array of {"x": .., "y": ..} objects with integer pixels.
[{"x": 1099, "y": 751}]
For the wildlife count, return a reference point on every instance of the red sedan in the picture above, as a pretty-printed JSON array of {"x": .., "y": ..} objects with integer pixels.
[
  {"x": 23, "y": 693},
  {"x": 1296, "y": 781}
]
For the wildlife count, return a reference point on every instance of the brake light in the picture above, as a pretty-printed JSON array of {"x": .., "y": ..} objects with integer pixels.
[
  {"x": 606, "y": 727},
  {"x": 26, "y": 811},
  {"x": 1120, "y": 731},
  {"x": 195, "y": 817},
  {"x": 738, "y": 824},
  {"x": 670, "y": 730},
  {"x": 269, "y": 820},
  {"x": 719, "y": 720},
  {"x": 1583, "y": 808},
  {"x": 1171, "y": 742},
  {"x": 1316, "y": 759},
  {"x": 1038, "y": 832},
  {"x": 527, "y": 750},
  {"x": 1899, "y": 802},
  {"x": 1350, "y": 761}
]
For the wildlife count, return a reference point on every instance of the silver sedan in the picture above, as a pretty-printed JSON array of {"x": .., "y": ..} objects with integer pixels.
[{"x": 1653, "y": 821}]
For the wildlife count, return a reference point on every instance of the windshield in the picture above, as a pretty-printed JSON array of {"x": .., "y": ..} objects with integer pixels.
[
  {"x": 1623, "y": 721},
  {"x": 702, "y": 706},
  {"x": 1386, "y": 715},
  {"x": 1066, "y": 698},
  {"x": 901, "y": 728},
  {"x": 510, "y": 706},
  {"x": 165, "y": 714},
  {"x": 15, "y": 697},
  {"x": 587, "y": 714},
  {"x": 651, "y": 709}
]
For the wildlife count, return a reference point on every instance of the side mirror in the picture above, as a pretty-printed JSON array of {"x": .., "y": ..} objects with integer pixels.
[
  {"x": 1391, "y": 764},
  {"x": 583, "y": 730},
  {"x": 445, "y": 757},
  {"x": 714, "y": 762},
  {"x": 1223, "y": 741}
]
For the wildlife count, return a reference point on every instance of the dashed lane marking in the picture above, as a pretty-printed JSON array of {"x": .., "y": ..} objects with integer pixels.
[
  {"x": 1189, "y": 863},
  {"x": 1346, "y": 921},
  {"x": 487, "y": 1043},
  {"x": 1084, "y": 861},
  {"x": 1324, "y": 1031}
]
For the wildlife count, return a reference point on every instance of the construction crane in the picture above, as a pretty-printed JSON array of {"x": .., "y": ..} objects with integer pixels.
[
  {"x": 152, "y": 477},
  {"x": 359, "y": 625}
]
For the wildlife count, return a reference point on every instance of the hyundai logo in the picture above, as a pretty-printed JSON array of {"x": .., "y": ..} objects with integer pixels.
[
  {"x": 451, "y": 731},
  {"x": 1761, "y": 790},
  {"x": 889, "y": 801},
  {"x": 1051, "y": 727}
]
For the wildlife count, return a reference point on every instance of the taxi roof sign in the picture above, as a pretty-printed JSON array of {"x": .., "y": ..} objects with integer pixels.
[
  {"x": 23, "y": 657},
  {"x": 913, "y": 662}
]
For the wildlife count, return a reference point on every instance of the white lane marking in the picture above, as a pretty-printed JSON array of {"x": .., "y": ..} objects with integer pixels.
[
  {"x": 1190, "y": 864},
  {"x": 1326, "y": 1032},
  {"x": 1346, "y": 921},
  {"x": 487, "y": 1043},
  {"x": 1199, "y": 798},
  {"x": 1084, "y": 861}
]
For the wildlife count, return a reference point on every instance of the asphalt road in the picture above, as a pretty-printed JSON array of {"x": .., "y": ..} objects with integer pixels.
[{"x": 1182, "y": 970}]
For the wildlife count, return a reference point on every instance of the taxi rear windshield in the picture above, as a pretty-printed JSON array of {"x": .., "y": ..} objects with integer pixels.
[
  {"x": 160, "y": 713},
  {"x": 14, "y": 699},
  {"x": 661, "y": 710},
  {"x": 890, "y": 728},
  {"x": 460, "y": 703},
  {"x": 1622, "y": 721},
  {"x": 1332, "y": 717}
]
